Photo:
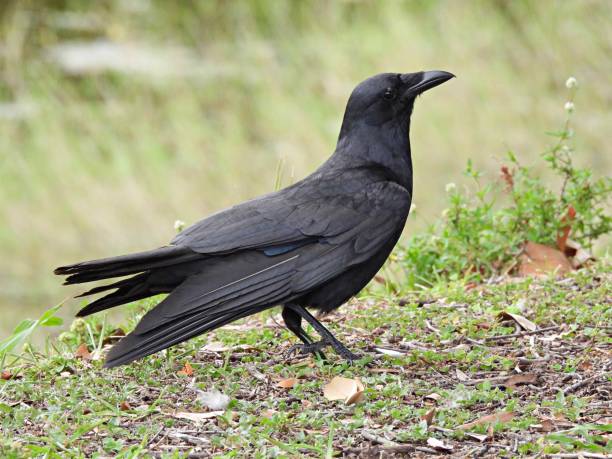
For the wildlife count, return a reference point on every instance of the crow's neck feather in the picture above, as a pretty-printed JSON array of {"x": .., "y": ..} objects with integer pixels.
[{"x": 383, "y": 148}]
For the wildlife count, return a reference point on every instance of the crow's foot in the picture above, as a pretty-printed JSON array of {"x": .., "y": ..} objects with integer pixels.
[
  {"x": 316, "y": 349},
  {"x": 304, "y": 349}
]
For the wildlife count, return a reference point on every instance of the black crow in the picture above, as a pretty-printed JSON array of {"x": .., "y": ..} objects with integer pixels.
[{"x": 313, "y": 244}]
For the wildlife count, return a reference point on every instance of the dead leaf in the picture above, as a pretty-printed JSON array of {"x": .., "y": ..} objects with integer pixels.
[
  {"x": 187, "y": 370},
  {"x": 578, "y": 255},
  {"x": 198, "y": 417},
  {"x": 439, "y": 444},
  {"x": 82, "y": 352},
  {"x": 565, "y": 230},
  {"x": 114, "y": 336},
  {"x": 380, "y": 280},
  {"x": 268, "y": 413},
  {"x": 125, "y": 406},
  {"x": 428, "y": 417},
  {"x": 477, "y": 437},
  {"x": 213, "y": 400},
  {"x": 461, "y": 376},
  {"x": 523, "y": 378},
  {"x": 545, "y": 425},
  {"x": 538, "y": 259},
  {"x": 433, "y": 396},
  {"x": 306, "y": 403},
  {"x": 507, "y": 177},
  {"x": 523, "y": 322},
  {"x": 503, "y": 416},
  {"x": 339, "y": 388},
  {"x": 287, "y": 383}
]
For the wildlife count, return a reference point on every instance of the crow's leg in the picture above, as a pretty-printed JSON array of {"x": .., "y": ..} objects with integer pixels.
[
  {"x": 326, "y": 336},
  {"x": 293, "y": 321}
]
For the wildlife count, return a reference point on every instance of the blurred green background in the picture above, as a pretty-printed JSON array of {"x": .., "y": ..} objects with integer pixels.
[{"x": 119, "y": 117}]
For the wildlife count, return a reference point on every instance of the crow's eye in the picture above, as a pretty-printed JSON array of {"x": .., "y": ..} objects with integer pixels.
[{"x": 389, "y": 94}]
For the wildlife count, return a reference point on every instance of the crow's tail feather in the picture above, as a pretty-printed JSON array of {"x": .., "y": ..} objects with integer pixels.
[
  {"x": 106, "y": 268},
  {"x": 152, "y": 276},
  {"x": 128, "y": 290},
  {"x": 200, "y": 305}
]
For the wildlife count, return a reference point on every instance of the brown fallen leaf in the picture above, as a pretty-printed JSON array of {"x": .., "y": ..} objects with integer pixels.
[
  {"x": 114, "y": 336},
  {"x": 439, "y": 444},
  {"x": 545, "y": 425},
  {"x": 523, "y": 322},
  {"x": 306, "y": 403},
  {"x": 339, "y": 388},
  {"x": 433, "y": 396},
  {"x": 187, "y": 370},
  {"x": 477, "y": 437},
  {"x": 565, "y": 230},
  {"x": 125, "y": 406},
  {"x": 577, "y": 254},
  {"x": 268, "y": 413},
  {"x": 502, "y": 416},
  {"x": 428, "y": 417},
  {"x": 508, "y": 177},
  {"x": 287, "y": 383},
  {"x": 380, "y": 280},
  {"x": 82, "y": 352},
  {"x": 538, "y": 259},
  {"x": 522, "y": 378}
]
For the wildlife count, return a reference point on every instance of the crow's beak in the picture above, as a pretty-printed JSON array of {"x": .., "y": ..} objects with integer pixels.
[{"x": 430, "y": 80}]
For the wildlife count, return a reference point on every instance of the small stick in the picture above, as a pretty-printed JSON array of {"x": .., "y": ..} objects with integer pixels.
[
  {"x": 582, "y": 383},
  {"x": 391, "y": 446}
]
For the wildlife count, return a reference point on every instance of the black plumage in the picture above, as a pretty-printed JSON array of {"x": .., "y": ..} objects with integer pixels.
[{"x": 313, "y": 244}]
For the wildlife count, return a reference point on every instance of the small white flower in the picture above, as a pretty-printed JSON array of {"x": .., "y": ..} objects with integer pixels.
[
  {"x": 450, "y": 187},
  {"x": 571, "y": 82},
  {"x": 179, "y": 225},
  {"x": 569, "y": 106}
]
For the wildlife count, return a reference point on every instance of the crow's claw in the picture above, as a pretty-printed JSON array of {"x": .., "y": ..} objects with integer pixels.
[
  {"x": 304, "y": 349},
  {"x": 316, "y": 349}
]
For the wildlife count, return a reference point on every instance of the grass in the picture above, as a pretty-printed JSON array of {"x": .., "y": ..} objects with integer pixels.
[
  {"x": 56, "y": 404},
  {"x": 103, "y": 164}
]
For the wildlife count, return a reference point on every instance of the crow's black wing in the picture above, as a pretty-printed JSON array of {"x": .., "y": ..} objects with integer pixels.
[
  {"x": 383, "y": 211},
  {"x": 309, "y": 211}
]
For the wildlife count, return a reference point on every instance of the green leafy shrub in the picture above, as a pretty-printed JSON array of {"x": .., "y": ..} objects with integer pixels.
[
  {"x": 483, "y": 230},
  {"x": 27, "y": 327}
]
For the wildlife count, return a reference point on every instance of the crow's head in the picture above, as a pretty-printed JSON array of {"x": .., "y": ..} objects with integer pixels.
[{"x": 390, "y": 96}]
